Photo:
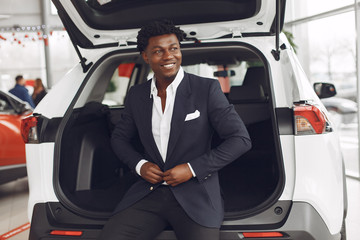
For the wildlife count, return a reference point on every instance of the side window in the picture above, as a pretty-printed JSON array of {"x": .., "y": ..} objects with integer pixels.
[
  {"x": 228, "y": 75},
  {"x": 5, "y": 106},
  {"x": 119, "y": 84}
]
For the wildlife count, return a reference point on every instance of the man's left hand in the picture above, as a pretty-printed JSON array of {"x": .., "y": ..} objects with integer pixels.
[{"x": 179, "y": 174}]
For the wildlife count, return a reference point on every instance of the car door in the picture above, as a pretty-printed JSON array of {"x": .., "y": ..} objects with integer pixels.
[{"x": 12, "y": 146}]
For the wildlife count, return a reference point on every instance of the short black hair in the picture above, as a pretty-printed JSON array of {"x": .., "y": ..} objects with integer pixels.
[
  {"x": 18, "y": 78},
  {"x": 157, "y": 28}
]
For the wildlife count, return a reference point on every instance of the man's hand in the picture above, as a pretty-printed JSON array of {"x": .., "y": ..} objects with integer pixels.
[
  {"x": 151, "y": 173},
  {"x": 179, "y": 174}
]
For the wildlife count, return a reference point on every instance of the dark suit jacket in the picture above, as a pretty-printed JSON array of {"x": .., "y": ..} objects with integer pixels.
[{"x": 190, "y": 141}]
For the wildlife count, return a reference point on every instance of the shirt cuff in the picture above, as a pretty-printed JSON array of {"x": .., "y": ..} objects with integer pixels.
[
  {"x": 139, "y": 165},
  {"x": 192, "y": 170}
]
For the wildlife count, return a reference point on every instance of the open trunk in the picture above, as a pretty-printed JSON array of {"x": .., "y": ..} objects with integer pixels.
[{"x": 93, "y": 180}]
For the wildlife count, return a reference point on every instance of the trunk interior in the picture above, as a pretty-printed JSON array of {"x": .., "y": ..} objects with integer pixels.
[{"x": 93, "y": 179}]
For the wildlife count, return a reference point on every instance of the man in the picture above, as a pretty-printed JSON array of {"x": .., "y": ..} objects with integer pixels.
[
  {"x": 174, "y": 115},
  {"x": 20, "y": 91}
]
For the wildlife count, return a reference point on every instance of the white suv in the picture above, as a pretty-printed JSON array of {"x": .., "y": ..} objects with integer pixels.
[{"x": 290, "y": 185}]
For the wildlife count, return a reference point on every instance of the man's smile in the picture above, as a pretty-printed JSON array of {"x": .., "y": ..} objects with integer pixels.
[{"x": 169, "y": 66}]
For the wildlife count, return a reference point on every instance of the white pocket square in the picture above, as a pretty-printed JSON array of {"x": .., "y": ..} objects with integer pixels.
[{"x": 192, "y": 116}]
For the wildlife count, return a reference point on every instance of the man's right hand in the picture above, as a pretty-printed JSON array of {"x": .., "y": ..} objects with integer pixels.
[{"x": 151, "y": 173}]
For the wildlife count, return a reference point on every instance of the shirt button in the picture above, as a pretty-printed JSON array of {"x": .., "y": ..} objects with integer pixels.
[{"x": 151, "y": 188}]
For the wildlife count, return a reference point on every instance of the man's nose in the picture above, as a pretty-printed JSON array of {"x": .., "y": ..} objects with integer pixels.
[{"x": 168, "y": 54}]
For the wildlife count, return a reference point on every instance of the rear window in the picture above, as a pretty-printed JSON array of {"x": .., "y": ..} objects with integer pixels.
[
  {"x": 132, "y": 14},
  {"x": 119, "y": 84},
  {"x": 228, "y": 76}
]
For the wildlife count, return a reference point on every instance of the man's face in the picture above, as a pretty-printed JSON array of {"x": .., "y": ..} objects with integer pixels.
[
  {"x": 164, "y": 56},
  {"x": 22, "y": 82}
]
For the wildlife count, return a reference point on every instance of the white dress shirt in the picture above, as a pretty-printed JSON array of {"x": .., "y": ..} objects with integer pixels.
[{"x": 161, "y": 121}]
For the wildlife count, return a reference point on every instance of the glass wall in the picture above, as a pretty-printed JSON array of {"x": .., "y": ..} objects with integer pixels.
[
  {"x": 19, "y": 55},
  {"x": 22, "y": 53},
  {"x": 325, "y": 36},
  {"x": 306, "y": 8}
]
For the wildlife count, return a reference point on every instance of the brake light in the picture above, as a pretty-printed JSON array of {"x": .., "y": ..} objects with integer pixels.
[
  {"x": 29, "y": 129},
  {"x": 309, "y": 120},
  {"x": 262, "y": 234},
  {"x": 66, "y": 233}
]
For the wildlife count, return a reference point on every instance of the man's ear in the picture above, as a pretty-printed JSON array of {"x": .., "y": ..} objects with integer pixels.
[{"x": 145, "y": 57}]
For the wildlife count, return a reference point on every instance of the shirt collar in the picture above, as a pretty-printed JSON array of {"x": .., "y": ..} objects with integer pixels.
[{"x": 173, "y": 86}]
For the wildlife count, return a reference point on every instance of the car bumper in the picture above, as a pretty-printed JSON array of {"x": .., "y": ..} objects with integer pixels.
[
  {"x": 12, "y": 172},
  {"x": 303, "y": 223}
]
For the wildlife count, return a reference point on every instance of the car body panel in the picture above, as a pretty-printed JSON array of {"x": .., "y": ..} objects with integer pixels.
[
  {"x": 319, "y": 176},
  {"x": 63, "y": 92},
  {"x": 288, "y": 148},
  {"x": 12, "y": 146},
  {"x": 12, "y": 151},
  {"x": 295, "y": 81},
  {"x": 39, "y": 177}
]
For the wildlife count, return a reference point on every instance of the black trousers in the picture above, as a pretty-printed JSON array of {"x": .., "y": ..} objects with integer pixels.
[{"x": 147, "y": 218}]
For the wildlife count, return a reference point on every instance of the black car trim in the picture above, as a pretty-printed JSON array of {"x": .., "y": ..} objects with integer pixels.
[
  {"x": 10, "y": 173},
  {"x": 285, "y": 119},
  {"x": 303, "y": 223},
  {"x": 54, "y": 215}
]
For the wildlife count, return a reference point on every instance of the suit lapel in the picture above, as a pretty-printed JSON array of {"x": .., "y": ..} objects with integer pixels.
[
  {"x": 181, "y": 106},
  {"x": 146, "y": 120}
]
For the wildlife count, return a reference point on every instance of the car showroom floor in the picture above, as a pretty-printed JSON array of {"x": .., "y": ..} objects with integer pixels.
[
  {"x": 13, "y": 210},
  {"x": 14, "y": 221}
]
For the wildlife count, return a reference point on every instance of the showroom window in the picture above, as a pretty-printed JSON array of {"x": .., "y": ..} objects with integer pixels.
[
  {"x": 305, "y": 8},
  {"x": 325, "y": 35}
]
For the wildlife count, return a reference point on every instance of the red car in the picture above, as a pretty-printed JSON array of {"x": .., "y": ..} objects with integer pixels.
[{"x": 12, "y": 147}]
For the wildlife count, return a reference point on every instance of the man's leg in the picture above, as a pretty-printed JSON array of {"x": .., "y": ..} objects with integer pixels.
[
  {"x": 190, "y": 230},
  {"x": 138, "y": 222},
  {"x": 148, "y": 217},
  {"x": 185, "y": 228}
]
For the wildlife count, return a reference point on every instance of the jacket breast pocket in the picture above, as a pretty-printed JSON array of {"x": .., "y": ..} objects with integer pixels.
[{"x": 192, "y": 116}]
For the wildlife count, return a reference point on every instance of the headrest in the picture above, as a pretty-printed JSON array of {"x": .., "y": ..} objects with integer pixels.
[
  {"x": 254, "y": 76},
  {"x": 244, "y": 94}
]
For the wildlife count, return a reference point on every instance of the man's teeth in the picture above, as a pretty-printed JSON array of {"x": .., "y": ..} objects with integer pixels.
[{"x": 169, "y": 65}]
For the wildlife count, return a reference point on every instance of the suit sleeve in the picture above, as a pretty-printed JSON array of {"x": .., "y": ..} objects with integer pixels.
[
  {"x": 228, "y": 124},
  {"x": 124, "y": 134}
]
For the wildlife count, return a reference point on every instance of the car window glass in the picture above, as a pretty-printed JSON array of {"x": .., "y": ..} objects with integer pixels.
[
  {"x": 119, "y": 84},
  {"x": 228, "y": 75},
  {"x": 5, "y": 106}
]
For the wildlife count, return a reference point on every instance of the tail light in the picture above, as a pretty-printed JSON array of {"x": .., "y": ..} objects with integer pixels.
[
  {"x": 262, "y": 235},
  {"x": 29, "y": 131},
  {"x": 66, "y": 233},
  {"x": 310, "y": 120}
]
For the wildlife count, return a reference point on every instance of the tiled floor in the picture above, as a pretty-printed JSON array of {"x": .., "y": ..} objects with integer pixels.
[
  {"x": 13, "y": 207},
  {"x": 14, "y": 195},
  {"x": 353, "y": 215}
]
